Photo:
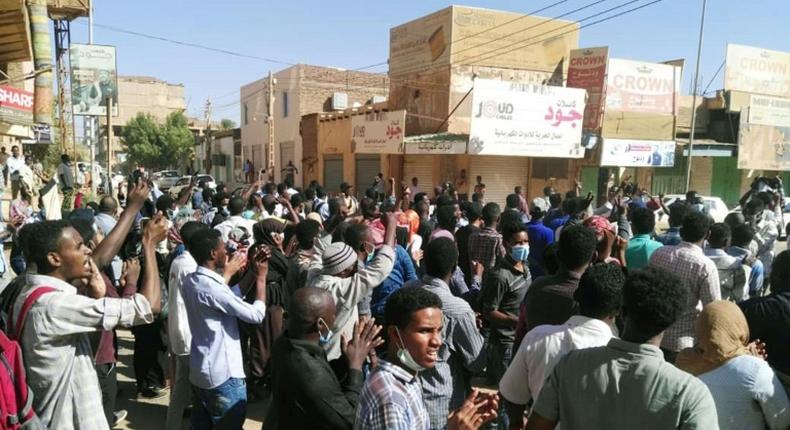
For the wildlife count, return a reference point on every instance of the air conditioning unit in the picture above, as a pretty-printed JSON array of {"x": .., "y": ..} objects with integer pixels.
[
  {"x": 378, "y": 99},
  {"x": 339, "y": 101}
]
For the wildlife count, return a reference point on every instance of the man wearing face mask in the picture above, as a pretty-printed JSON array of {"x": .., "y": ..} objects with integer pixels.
[
  {"x": 306, "y": 392},
  {"x": 504, "y": 288},
  {"x": 336, "y": 270}
]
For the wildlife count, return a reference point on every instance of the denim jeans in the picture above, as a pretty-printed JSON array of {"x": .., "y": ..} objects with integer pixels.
[
  {"x": 499, "y": 355},
  {"x": 222, "y": 407}
]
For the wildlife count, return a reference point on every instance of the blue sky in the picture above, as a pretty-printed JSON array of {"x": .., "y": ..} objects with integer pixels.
[{"x": 353, "y": 34}]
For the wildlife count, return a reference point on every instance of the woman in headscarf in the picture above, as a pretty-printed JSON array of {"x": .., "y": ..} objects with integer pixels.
[
  {"x": 268, "y": 233},
  {"x": 747, "y": 393}
]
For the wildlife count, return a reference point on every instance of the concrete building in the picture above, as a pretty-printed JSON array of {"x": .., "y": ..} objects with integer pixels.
[
  {"x": 299, "y": 90},
  {"x": 226, "y": 164},
  {"x": 140, "y": 94}
]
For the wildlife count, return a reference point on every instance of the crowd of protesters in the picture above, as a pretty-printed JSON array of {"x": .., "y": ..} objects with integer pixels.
[{"x": 393, "y": 309}]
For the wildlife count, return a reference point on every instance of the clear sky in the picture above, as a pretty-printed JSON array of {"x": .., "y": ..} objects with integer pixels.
[{"x": 351, "y": 34}]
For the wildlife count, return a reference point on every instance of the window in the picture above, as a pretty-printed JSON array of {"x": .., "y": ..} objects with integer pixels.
[
  {"x": 246, "y": 120},
  {"x": 545, "y": 168},
  {"x": 285, "y": 104}
]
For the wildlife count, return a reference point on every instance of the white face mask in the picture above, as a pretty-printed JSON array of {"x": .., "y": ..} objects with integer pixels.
[{"x": 405, "y": 356}]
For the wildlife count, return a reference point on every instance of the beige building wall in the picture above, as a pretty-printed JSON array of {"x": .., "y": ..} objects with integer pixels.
[{"x": 308, "y": 89}]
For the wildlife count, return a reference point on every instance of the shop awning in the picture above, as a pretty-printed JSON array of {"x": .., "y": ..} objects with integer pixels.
[
  {"x": 15, "y": 39},
  {"x": 708, "y": 148}
]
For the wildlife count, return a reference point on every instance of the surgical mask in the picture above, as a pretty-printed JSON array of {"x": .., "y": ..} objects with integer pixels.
[
  {"x": 519, "y": 252},
  {"x": 370, "y": 249},
  {"x": 324, "y": 339},
  {"x": 248, "y": 214},
  {"x": 405, "y": 357}
]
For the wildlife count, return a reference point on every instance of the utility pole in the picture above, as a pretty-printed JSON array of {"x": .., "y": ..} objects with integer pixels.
[
  {"x": 207, "y": 136},
  {"x": 109, "y": 140},
  {"x": 270, "y": 121},
  {"x": 694, "y": 98},
  {"x": 88, "y": 124}
]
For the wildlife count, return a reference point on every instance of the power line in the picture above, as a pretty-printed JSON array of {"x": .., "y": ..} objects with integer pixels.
[
  {"x": 449, "y": 44},
  {"x": 625, "y": 12},
  {"x": 192, "y": 45},
  {"x": 714, "y": 76}
]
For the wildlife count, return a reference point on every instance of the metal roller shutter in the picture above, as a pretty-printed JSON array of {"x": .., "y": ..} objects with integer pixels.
[
  {"x": 500, "y": 174},
  {"x": 421, "y": 167},
  {"x": 333, "y": 173},
  {"x": 367, "y": 167}
]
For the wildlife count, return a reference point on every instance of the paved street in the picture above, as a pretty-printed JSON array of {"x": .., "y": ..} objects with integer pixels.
[{"x": 150, "y": 414}]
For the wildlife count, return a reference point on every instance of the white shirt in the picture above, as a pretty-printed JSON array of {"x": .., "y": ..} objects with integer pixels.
[
  {"x": 235, "y": 221},
  {"x": 542, "y": 348},
  {"x": 14, "y": 164},
  {"x": 177, "y": 323}
]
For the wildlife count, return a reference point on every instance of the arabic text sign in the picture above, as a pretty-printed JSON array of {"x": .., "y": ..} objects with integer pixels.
[
  {"x": 378, "y": 132},
  {"x": 16, "y": 105},
  {"x": 767, "y": 110},
  {"x": 756, "y": 70},
  {"x": 510, "y": 118},
  {"x": 441, "y": 148},
  {"x": 587, "y": 70},
  {"x": 638, "y": 153},
  {"x": 93, "y": 79},
  {"x": 634, "y": 86}
]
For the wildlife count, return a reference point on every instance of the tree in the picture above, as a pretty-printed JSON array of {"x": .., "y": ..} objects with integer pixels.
[
  {"x": 227, "y": 124},
  {"x": 158, "y": 146}
]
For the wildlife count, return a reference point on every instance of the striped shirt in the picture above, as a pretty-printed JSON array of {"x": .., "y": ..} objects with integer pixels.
[
  {"x": 445, "y": 386},
  {"x": 391, "y": 400},
  {"x": 485, "y": 246}
]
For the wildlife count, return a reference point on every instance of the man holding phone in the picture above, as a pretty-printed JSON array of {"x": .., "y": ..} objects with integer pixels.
[{"x": 216, "y": 368}]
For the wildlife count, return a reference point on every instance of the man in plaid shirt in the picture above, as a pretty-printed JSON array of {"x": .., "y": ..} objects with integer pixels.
[
  {"x": 485, "y": 246},
  {"x": 698, "y": 273},
  {"x": 391, "y": 398}
]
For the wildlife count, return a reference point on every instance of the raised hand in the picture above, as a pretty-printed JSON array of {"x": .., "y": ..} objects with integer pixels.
[
  {"x": 156, "y": 229},
  {"x": 138, "y": 193},
  {"x": 364, "y": 340}
]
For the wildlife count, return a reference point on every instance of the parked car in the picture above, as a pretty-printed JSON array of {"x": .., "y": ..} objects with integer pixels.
[
  {"x": 186, "y": 180},
  {"x": 166, "y": 179},
  {"x": 715, "y": 207}
]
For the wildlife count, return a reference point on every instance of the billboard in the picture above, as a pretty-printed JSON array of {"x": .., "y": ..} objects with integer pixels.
[
  {"x": 94, "y": 78},
  {"x": 767, "y": 110},
  {"x": 638, "y": 153},
  {"x": 587, "y": 69},
  {"x": 762, "y": 147},
  {"x": 511, "y": 118},
  {"x": 756, "y": 70},
  {"x": 635, "y": 86},
  {"x": 16, "y": 105},
  {"x": 378, "y": 132}
]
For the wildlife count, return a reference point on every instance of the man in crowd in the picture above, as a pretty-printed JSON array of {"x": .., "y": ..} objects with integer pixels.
[
  {"x": 474, "y": 213},
  {"x": 550, "y": 298},
  {"x": 53, "y": 322},
  {"x": 628, "y": 381},
  {"x": 600, "y": 296},
  {"x": 742, "y": 237},
  {"x": 216, "y": 369},
  {"x": 504, "y": 288},
  {"x": 485, "y": 246},
  {"x": 766, "y": 230},
  {"x": 306, "y": 392},
  {"x": 236, "y": 206},
  {"x": 641, "y": 246},
  {"x": 66, "y": 181},
  {"x": 337, "y": 271},
  {"x": 540, "y": 237},
  {"x": 179, "y": 336},
  {"x": 391, "y": 396},
  {"x": 446, "y": 384},
  {"x": 733, "y": 273},
  {"x": 677, "y": 211},
  {"x": 697, "y": 273},
  {"x": 15, "y": 163},
  {"x": 768, "y": 318}
]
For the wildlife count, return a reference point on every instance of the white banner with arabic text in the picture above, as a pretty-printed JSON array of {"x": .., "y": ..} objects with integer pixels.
[
  {"x": 378, "y": 132},
  {"x": 638, "y": 153},
  {"x": 511, "y": 118}
]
